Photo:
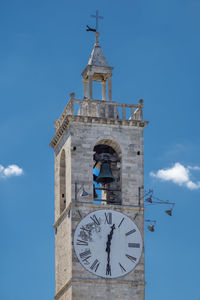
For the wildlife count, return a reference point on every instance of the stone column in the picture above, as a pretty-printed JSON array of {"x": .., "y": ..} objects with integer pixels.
[
  {"x": 90, "y": 87},
  {"x": 85, "y": 92},
  {"x": 103, "y": 90},
  {"x": 110, "y": 88}
]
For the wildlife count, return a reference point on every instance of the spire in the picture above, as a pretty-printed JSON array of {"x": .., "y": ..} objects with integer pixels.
[
  {"x": 99, "y": 70},
  {"x": 97, "y": 57}
]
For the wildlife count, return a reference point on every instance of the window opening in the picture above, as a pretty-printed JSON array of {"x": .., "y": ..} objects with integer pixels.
[
  {"x": 62, "y": 182},
  {"x": 107, "y": 179}
]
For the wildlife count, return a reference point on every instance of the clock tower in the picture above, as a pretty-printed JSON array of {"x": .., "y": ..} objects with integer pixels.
[{"x": 99, "y": 211}]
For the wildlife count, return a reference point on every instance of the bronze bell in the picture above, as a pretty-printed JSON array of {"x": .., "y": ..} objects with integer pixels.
[{"x": 105, "y": 174}]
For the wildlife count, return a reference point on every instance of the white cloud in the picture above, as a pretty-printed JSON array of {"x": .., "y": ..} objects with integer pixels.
[
  {"x": 11, "y": 170},
  {"x": 196, "y": 168},
  {"x": 178, "y": 174}
]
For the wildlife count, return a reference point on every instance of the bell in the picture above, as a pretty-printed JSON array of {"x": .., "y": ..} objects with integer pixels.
[{"x": 105, "y": 174}]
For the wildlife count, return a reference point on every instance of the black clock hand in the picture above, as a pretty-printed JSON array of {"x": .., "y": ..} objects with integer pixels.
[
  {"x": 108, "y": 269},
  {"x": 108, "y": 244}
]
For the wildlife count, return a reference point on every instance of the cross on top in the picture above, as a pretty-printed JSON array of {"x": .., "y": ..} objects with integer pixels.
[{"x": 97, "y": 17}]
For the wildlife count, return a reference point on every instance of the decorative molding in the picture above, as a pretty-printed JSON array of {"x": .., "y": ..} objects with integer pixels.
[
  {"x": 94, "y": 120},
  {"x": 108, "y": 281},
  {"x": 110, "y": 206}
]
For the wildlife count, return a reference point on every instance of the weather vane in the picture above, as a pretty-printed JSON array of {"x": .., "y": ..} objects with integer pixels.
[{"x": 97, "y": 17}]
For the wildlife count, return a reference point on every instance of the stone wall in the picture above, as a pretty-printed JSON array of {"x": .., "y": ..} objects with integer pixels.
[{"x": 79, "y": 139}]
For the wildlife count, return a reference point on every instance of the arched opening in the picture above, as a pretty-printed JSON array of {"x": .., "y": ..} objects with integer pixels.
[
  {"x": 107, "y": 172},
  {"x": 62, "y": 181}
]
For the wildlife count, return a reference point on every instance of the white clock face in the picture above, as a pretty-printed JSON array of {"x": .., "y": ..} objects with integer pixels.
[{"x": 108, "y": 243}]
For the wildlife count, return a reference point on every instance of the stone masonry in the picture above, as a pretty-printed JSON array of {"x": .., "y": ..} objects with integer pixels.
[{"x": 83, "y": 125}]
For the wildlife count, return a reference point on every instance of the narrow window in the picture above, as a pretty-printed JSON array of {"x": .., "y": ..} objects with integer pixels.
[{"x": 62, "y": 182}]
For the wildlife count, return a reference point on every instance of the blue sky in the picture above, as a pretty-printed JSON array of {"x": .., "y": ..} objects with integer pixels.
[{"x": 154, "y": 47}]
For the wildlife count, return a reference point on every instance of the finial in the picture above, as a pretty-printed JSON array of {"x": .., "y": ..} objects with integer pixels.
[
  {"x": 97, "y": 17},
  {"x": 97, "y": 34}
]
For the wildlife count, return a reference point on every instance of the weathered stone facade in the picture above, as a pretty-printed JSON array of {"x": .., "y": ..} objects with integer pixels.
[{"x": 77, "y": 132}]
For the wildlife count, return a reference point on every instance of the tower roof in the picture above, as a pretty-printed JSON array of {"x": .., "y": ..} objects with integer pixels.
[
  {"x": 97, "y": 64},
  {"x": 97, "y": 57}
]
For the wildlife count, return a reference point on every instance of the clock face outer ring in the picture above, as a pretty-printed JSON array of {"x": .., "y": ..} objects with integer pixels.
[{"x": 91, "y": 243}]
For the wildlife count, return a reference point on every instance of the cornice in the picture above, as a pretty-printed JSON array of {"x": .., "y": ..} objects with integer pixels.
[
  {"x": 94, "y": 120},
  {"x": 110, "y": 206}
]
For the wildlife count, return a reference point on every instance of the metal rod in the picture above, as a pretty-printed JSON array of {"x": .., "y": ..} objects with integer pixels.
[
  {"x": 77, "y": 190},
  {"x": 151, "y": 221},
  {"x": 163, "y": 202},
  {"x": 111, "y": 201},
  {"x": 104, "y": 189}
]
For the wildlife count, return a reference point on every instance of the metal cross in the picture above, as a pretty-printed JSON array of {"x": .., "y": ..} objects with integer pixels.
[{"x": 97, "y": 17}]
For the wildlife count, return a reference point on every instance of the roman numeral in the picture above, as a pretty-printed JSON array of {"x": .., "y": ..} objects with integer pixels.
[
  {"x": 133, "y": 259},
  {"x": 121, "y": 222},
  {"x": 122, "y": 268},
  {"x": 79, "y": 214},
  {"x": 134, "y": 245},
  {"x": 95, "y": 220},
  {"x": 84, "y": 228},
  {"x": 108, "y": 219},
  {"x": 95, "y": 265},
  {"x": 85, "y": 255},
  {"x": 81, "y": 243},
  {"x": 130, "y": 232}
]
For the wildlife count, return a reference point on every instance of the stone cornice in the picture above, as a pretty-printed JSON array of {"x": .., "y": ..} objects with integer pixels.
[
  {"x": 94, "y": 120},
  {"x": 110, "y": 206},
  {"x": 108, "y": 281}
]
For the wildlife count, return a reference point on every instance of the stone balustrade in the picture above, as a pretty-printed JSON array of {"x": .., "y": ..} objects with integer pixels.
[{"x": 101, "y": 109}]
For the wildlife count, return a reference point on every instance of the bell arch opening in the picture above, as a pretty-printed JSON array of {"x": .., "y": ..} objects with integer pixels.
[
  {"x": 62, "y": 181},
  {"x": 107, "y": 172}
]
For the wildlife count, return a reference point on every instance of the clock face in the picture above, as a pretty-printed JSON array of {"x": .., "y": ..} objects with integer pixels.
[{"x": 108, "y": 243}]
